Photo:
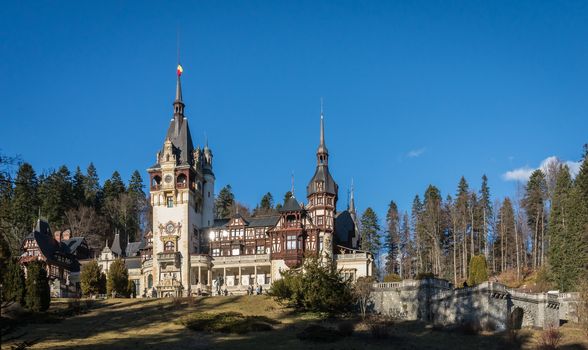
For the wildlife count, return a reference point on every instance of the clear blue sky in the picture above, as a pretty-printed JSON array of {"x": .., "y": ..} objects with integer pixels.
[{"x": 415, "y": 92}]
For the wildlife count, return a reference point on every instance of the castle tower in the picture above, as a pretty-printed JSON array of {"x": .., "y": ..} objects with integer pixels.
[
  {"x": 176, "y": 187},
  {"x": 321, "y": 193}
]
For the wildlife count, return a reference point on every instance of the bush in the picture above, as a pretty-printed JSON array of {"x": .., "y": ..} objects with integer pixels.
[
  {"x": 392, "y": 278},
  {"x": 550, "y": 339},
  {"x": 13, "y": 283},
  {"x": 362, "y": 291},
  {"x": 131, "y": 290},
  {"x": 319, "y": 334},
  {"x": 38, "y": 295},
  {"x": 318, "y": 287},
  {"x": 90, "y": 278},
  {"x": 424, "y": 275},
  {"x": 117, "y": 279},
  {"x": 478, "y": 270},
  {"x": 228, "y": 322}
]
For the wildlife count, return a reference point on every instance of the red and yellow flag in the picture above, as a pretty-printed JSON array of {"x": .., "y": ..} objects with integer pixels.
[{"x": 180, "y": 69}]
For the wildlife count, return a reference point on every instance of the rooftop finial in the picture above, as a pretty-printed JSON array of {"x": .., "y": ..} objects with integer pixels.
[
  {"x": 322, "y": 125},
  {"x": 292, "y": 188}
]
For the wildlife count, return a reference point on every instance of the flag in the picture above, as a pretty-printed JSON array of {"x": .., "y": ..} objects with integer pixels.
[{"x": 180, "y": 70}]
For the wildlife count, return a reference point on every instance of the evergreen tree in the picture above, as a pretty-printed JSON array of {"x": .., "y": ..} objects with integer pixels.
[
  {"x": 25, "y": 203},
  {"x": 8, "y": 237},
  {"x": 486, "y": 208},
  {"x": 370, "y": 232},
  {"x": 118, "y": 279},
  {"x": 56, "y": 196},
  {"x": 462, "y": 211},
  {"x": 136, "y": 185},
  {"x": 224, "y": 203},
  {"x": 38, "y": 295},
  {"x": 506, "y": 239},
  {"x": 91, "y": 186},
  {"x": 534, "y": 205},
  {"x": 392, "y": 239},
  {"x": 139, "y": 204},
  {"x": 78, "y": 188},
  {"x": 13, "y": 282},
  {"x": 113, "y": 187},
  {"x": 90, "y": 278},
  {"x": 267, "y": 202},
  {"x": 405, "y": 248},
  {"x": 478, "y": 270},
  {"x": 562, "y": 243}
]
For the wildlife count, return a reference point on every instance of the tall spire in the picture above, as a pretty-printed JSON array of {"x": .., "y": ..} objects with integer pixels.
[
  {"x": 322, "y": 153},
  {"x": 351, "y": 199}
]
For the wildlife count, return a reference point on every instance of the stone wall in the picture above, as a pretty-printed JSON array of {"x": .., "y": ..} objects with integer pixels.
[{"x": 488, "y": 305}]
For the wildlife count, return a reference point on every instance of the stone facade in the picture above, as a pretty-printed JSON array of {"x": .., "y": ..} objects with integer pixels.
[{"x": 487, "y": 305}]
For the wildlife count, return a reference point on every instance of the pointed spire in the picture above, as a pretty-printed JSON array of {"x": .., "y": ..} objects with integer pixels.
[
  {"x": 322, "y": 153},
  {"x": 351, "y": 199},
  {"x": 292, "y": 189},
  {"x": 179, "y": 89}
]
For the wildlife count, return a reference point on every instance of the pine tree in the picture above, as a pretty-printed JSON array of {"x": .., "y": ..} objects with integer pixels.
[
  {"x": 370, "y": 232},
  {"x": 478, "y": 270},
  {"x": 38, "y": 295},
  {"x": 78, "y": 196},
  {"x": 113, "y": 187},
  {"x": 462, "y": 214},
  {"x": 224, "y": 203},
  {"x": 9, "y": 238},
  {"x": 431, "y": 217},
  {"x": 91, "y": 186},
  {"x": 560, "y": 231},
  {"x": 136, "y": 185},
  {"x": 56, "y": 196},
  {"x": 392, "y": 239},
  {"x": 13, "y": 282},
  {"x": 405, "y": 248},
  {"x": 25, "y": 204},
  {"x": 506, "y": 232},
  {"x": 534, "y": 205},
  {"x": 117, "y": 279},
  {"x": 90, "y": 278},
  {"x": 486, "y": 208}
]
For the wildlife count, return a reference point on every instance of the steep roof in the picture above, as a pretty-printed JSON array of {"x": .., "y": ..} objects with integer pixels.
[
  {"x": 291, "y": 204},
  {"x": 322, "y": 174},
  {"x": 133, "y": 248},
  {"x": 179, "y": 134},
  {"x": 344, "y": 228}
]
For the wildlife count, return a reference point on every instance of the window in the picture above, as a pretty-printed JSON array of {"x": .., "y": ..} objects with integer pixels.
[
  {"x": 320, "y": 243},
  {"x": 216, "y": 252},
  {"x": 319, "y": 220},
  {"x": 319, "y": 200},
  {"x": 235, "y": 251},
  {"x": 170, "y": 202},
  {"x": 169, "y": 246},
  {"x": 260, "y": 249},
  {"x": 291, "y": 243}
]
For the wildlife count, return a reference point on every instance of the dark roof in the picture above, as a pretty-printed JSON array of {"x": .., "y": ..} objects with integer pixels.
[
  {"x": 322, "y": 174},
  {"x": 344, "y": 228},
  {"x": 291, "y": 204},
  {"x": 133, "y": 248},
  {"x": 220, "y": 222},
  {"x": 264, "y": 221},
  {"x": 72, "y": 244},
  {"x": 133, "y": 262},
  {"x": 180, "y": 136},
  {"x": 116, "y": 245}
]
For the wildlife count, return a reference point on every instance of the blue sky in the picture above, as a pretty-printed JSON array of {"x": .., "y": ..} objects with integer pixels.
[{"x": 416, "y": 93}]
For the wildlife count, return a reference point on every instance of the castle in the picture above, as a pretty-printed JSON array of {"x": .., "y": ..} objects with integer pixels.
[{"x": 191, "y": 252}]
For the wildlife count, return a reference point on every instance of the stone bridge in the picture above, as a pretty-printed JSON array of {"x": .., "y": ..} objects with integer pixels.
[{"x": 488, "y": 304}]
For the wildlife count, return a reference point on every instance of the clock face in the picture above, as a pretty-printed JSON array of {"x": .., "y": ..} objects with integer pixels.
[
  {"x": 170, "y": 228},
  {"x": 168, "y": 178}
]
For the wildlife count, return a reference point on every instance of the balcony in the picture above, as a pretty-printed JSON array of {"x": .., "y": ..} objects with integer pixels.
[
  {"x": 169, "y": 258},
  {"x": 239, "y": 259}
]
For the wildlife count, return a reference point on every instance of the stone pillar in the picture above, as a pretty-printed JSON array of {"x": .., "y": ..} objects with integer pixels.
[
  {"x": 199, "y": 275},
  {"x": 239, "y": 276},
  {"x": 255, "y": 275},
  {"x": 225, "y": 276},
  {"x": 210, "y": 277}
]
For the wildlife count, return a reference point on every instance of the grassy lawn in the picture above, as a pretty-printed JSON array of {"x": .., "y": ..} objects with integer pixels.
[{"x": 199, "y": 323}]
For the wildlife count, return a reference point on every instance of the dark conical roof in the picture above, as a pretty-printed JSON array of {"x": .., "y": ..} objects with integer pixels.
[
  {"x": 321, "y": 174},
  {"x": 291, "y": 204}
]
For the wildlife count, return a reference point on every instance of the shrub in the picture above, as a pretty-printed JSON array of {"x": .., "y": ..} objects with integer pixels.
[
  {"x": 117, "y": 279},
  {"x": 318, "y": 287},
  {"x": 227, "y": 322},
  {"x": 363, "y": 290},
  {"x": 13, "y": 283},
  {"x": 38, "y": 295},
  {"x": 543, "y": 280},
  {"x": 478, "y": 270},
  {"x": 550, "y": 339},
  {"x": 90, "y": 278},
  {"x": 319, "y": 334},
  {"x": 392, "y": 278},
  {"x": 424, "y": 275}
]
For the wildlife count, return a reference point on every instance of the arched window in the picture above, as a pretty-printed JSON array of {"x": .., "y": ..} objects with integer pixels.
[
  {"x": 150, "y": 281},
  {"x": 182, "y": 179},
  {"x": 156, "y": 181},
  {"x": 169, "y": 246}
]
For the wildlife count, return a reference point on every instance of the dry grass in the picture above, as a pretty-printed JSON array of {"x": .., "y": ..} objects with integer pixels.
[{"x": 155, "y": 324}]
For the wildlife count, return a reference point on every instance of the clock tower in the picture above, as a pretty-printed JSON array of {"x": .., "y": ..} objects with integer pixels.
[{"x": 182, "y": 197}]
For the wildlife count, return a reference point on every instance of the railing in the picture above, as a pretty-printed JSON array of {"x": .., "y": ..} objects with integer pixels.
[
  {"x": 168, "y": 257},
  {"x": 241, "y": 259},
  {"x": 148, "y": 263},
  {"x": 351, "y": 256},
  {"x": 200, "y": 258}
]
